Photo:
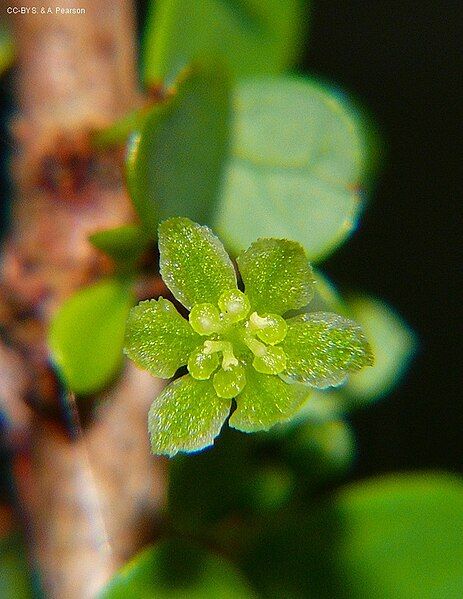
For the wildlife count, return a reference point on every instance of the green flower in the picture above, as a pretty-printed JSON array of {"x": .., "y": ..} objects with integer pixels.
[{"x": 235, "y": 345}]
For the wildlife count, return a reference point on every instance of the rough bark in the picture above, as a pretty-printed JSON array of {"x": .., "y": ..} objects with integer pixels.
[{"x": 88, "y": 494}]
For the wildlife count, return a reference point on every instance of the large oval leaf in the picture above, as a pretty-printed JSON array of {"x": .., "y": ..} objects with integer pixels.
[
  {"x": 177, "y": 570},
  {"x": 175, "y": 164},
  {"x": 87, "y": 334},
  {"x": 255, "y": 36},
  {"x": 298, "y": 161}
]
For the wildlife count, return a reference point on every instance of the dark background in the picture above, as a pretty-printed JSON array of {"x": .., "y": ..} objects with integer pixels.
[{"x": 402, "y": 60}]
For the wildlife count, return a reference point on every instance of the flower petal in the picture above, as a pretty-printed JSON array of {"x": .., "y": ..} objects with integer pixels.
[
  {"x": 277, "y": 276},
  {"x": 158, "y": 338},
  {"x": 265, "y": 401},
  {"x": 322, "y": 348},
  {"x": 193, "y": 262},
  {"x": 186, "y": 416}
]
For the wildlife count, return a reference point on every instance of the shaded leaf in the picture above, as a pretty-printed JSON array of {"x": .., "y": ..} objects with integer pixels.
[
  {"x": 299, "y": 158},
  {"x": 276, "y": 276},
  {"x": 265, "y": 401},
  {"x": 158, "y": 338},
  {"x": 175, "y": 163},
  {"x": 395, "y": 537},
  {"x": 87, "y": 334},
  {"x": 186, "y": 416},
  {"x": 322, "y": 348},
  {"x": 393, "y": 344},
  {"x": 177, "y": 570},
  {"x": 193, "y": 262},
  {"x": 255, "y": 36},
  {"x": 123, "y": 244}
]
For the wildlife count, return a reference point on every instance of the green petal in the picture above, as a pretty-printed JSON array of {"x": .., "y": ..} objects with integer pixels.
[
  {"x": 322, "y": 348},
  {"x": 277, "y": 276},
  {"x": 186, "y": 416},
  {"x": 158, "y": 338},
  {"x": 265, "y": 401},
  {"x": 193, "y": 262}
]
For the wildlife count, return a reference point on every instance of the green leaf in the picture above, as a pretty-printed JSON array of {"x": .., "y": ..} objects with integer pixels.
[
  {"x": 299, "y": 158},
  {"x": 177, "y": 570},
  {"x": 397, "y": 537},
  {"x": 175, "y": 165},
  {"x": 255, "y": 36},
  {"x": 87, "y": 333},
  {"x": 7, "y": 51},
  {"x": 322, "y": 348},
  {"x": 15, "y": 582},
  {"x": 123, "y": 244},
  {"x": 186, "y": 416},
  {"x": 393, "y": 344},
  {"x": 158, "y": 338},
  {"x": 402, "y": 537},
  {"x": 265, "y": 401},
  {"x": 193, "y": 262},
  {"x": 276, "y": 276}
]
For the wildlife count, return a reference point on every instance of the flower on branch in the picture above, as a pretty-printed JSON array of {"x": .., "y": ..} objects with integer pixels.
[{"x": 236, "y": 345}]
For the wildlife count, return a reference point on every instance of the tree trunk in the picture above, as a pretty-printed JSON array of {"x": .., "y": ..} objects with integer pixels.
[{"x": 89, "y": 493}]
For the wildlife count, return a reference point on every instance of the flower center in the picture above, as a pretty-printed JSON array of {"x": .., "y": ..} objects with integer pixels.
[{"x": 230, "y": 330}]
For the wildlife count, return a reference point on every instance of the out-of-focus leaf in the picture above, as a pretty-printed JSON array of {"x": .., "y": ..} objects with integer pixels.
[
  {"x": 175, "y": 164},
  {"x": 177, "y": 570},
  {"x": 87, "y": 334},
  {"x": 124, "y": 244},
  {"x": 254, "y": 36},
  {"x": 388, "y": 538},
  {"x": 15, "y": 582},
  {"x": 7, "y": 52},
  {"x": 299, "y": 159},
  {"x": 393, "y": 344},
  {"x": 322, "y": 449}
]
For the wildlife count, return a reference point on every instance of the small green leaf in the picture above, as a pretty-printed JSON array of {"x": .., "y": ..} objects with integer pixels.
[
  {"x": 193, "y": 262},
  {"x": 15, "y": 582},
  {"x": 299, "y": 159},
  {"x": 175, "y": 164},
  {"x": 87, "y": 333},
  {"x": 393, "y": 344},
  {"x": 322, "y": 348},
  {"x": 186, "y": 416},
  {"x": 177, "y": 570},
  {"x": 276, "y": 276},
  {"x": 255, "y": 36},
  {"x": 265, "y": 401},
  {"x": 158, "y": 338},
  {"x": 123, "y": 244},
  {"x": 7, "y": 51}
]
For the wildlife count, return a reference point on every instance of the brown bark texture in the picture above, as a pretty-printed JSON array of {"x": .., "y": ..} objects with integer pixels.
[{"x": 89, "y": 493}]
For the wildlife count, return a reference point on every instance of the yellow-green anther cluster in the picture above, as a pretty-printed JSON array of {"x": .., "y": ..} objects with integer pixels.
[{"x": 228, "y": 326}]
